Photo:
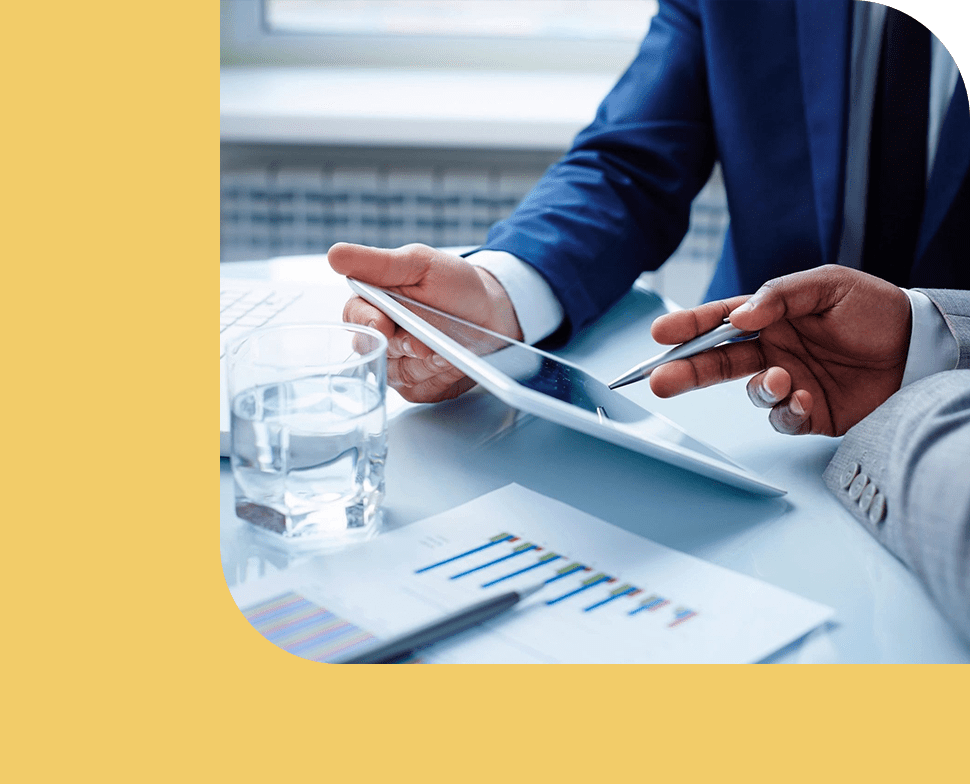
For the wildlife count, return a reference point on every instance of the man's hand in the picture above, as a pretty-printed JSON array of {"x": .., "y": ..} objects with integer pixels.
[
  {"x": 438, "y": 279},
  {"x": 832, "y": 348}
]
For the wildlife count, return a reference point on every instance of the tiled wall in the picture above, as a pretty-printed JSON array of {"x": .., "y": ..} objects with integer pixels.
[{"x": 285, "y": 201}]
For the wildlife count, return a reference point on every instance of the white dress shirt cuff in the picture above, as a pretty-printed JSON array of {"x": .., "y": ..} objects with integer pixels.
[
  {"x": 932, "y": 347},
  {"x": 536, "y": 307}
]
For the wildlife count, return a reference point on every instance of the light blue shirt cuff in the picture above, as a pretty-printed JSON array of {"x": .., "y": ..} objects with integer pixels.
[
  {"x": 932, "y": 347},
  {"x": 536, "y": 307}
]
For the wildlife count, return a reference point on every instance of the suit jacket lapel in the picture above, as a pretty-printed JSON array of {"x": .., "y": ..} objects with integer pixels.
[
  {"x": 823, "y": 49},
  {"x": 949, "y": 167}
]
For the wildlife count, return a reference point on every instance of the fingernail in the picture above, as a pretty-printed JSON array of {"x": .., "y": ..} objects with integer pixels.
[
  {"x": 796, "y": 408},
  {"x": 775, "y": 397},
  {"x": 766, "y": 395},
  {"x": 407, "y": 348},
  {"x": 439, "y": 361}
]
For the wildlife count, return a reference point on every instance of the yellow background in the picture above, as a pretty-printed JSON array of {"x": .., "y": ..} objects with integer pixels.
[{"x": 126, "y": 657}]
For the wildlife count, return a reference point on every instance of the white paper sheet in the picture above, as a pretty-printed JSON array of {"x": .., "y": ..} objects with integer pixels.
[{"x": 609, "y": 595}]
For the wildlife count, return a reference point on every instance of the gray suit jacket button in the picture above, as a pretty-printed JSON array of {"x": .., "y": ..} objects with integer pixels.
[
  {"x": 877, "y": 511},
  {"x": 857, "y": 486},
  {"x": 848, "y": 475},
  {"x": 865, "y": 500}
]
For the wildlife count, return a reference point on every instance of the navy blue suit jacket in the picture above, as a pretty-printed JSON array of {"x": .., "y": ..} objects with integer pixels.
[{"x": 762, "y": 87}]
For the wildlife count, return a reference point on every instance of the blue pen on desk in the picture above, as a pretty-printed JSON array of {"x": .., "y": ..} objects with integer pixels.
[
  {"x": 398, "y": 647},
  {"x": 701, "y": 343}
]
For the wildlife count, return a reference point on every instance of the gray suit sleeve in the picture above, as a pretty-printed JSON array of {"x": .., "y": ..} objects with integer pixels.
[
  {"x": 954, "y": 304},
  {"x": 904, "y": 473}
]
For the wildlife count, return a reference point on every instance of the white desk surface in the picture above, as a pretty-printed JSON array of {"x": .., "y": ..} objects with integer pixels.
[{"x": 446, "y": 454}]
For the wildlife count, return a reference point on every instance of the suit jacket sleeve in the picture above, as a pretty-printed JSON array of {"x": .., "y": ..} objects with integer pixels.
[
  {"x": 904, "y": 473},
  {"x": 618, "y": 202},
  {"x": 955, "y": 307}
]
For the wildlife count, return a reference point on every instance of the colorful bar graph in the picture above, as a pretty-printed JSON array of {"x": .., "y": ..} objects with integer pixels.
[
  {"x": 585, "y": 585},
  {"x": 547, "y": 558},
  {"x": 520, "y": 550},
  {"x": 317, "y": 622},
  {"x": 498, "y": 539},
  {"x": 305, "y": 629},
  {"x": 616, "y": 593}
]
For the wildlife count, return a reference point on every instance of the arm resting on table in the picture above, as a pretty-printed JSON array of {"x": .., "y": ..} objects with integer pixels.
[{"x": 903, "y": 473}]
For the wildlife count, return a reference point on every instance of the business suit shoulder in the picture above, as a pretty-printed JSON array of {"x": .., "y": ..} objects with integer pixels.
[
  {"x": 902, "y": 473},
  {"x": 618, "y": 202}
]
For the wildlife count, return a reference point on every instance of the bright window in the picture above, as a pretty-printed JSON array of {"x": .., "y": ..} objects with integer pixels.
[
  {"x": 555, "y": 35},
  {"x": 619, "y": 20}
]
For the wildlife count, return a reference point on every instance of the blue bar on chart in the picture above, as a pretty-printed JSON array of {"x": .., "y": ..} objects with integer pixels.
[
  {"x": 588, "y": 583},
  {"x": 681, "y": 614},
  {"x": 498, "y": 539},
  {"x": 543, "y": 560},
  {"x": 520, "y": 550},
  {"x": 575, "y": 566},
  {"x": 304, "y": 628},
  {"x": 624, "y": 590},
  {"x": 650, "y": 604}
]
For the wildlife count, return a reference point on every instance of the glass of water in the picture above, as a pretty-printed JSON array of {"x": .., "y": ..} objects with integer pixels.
[{"x": 309, "y": 431}]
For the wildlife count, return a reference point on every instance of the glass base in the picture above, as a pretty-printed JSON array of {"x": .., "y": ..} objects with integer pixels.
[{"x": 329, "y": 528}]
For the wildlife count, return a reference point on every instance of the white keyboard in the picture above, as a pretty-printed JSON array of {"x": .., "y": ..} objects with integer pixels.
[{"x": 243, "y": 309}]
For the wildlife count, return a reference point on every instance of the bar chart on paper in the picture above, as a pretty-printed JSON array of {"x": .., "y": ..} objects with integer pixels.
[
  {"x": 549, "y": 568},
  {"x": 607, "y": 595}
]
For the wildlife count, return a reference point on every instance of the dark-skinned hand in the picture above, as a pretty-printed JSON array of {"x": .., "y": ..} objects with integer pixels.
[{"x": 832, "y": 348}]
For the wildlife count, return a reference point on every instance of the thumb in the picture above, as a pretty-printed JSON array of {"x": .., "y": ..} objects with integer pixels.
[
  {"x": 405, "y": 267},
  {"x": 423, "y": 273},
  {"x": 789, "y": 297},
  {"x": 385, "y": 267}
]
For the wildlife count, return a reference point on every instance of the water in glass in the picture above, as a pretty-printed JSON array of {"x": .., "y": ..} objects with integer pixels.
[{"x": 308, "y": 457}]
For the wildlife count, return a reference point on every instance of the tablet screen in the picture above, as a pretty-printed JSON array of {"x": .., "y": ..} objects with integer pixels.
[{"x": 541, "y": 372}]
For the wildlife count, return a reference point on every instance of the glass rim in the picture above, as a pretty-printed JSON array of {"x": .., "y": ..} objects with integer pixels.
[{"x": 362, "y": 359}]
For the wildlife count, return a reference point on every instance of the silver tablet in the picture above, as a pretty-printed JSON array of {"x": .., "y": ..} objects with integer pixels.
[{"x": 546, "y": 386}]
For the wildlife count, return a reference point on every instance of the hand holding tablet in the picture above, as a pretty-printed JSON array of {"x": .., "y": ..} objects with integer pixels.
[
  {"x": 434, "y": 277},
  {"x": 541, "y": 384}
]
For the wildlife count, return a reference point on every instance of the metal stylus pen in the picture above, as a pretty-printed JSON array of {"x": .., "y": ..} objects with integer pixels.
[
  {"x": 399, "y": 647},
  {"x": 701, "y": 343}
]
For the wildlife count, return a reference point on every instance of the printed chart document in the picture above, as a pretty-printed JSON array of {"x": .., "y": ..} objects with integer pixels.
[{"x": 607, "y": 596}]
